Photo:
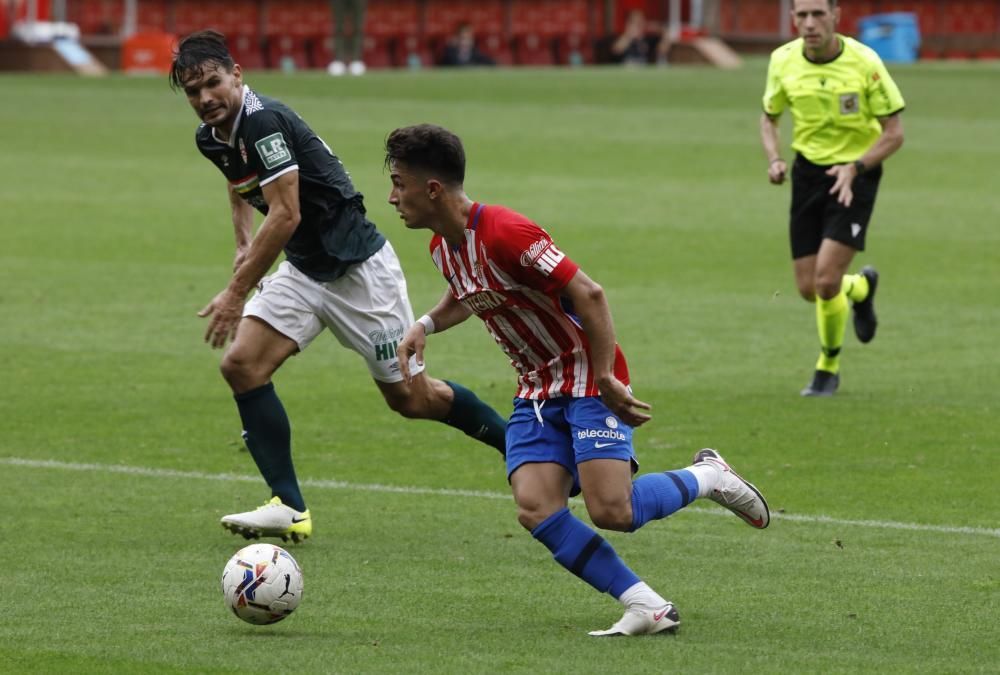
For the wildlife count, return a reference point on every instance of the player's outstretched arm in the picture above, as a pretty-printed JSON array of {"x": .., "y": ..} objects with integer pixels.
[
  {"x": 591, "y": 305},
  {"x": 226, "y": 308},
  {"x": 447, "y": 313}
]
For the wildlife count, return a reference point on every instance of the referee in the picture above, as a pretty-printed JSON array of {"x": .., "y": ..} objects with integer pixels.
[{"x": 846, "y": 114}]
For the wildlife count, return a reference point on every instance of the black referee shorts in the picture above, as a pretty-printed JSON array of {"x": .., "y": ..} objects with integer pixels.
[{"x": 816, "y": 215}]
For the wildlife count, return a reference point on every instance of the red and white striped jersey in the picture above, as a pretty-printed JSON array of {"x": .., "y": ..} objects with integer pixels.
[{"x": 510, "y": 273}]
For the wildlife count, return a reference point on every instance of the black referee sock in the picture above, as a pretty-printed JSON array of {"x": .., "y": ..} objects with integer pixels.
[
  {"x": 269, "y": 438},
  {"x": 476, "y": 419}
]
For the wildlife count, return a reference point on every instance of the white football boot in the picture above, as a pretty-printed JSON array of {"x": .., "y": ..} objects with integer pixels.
[
  {"x": 642, "y": 620},
  {"x": 273, "y": 519},
  {"x": 736, "y": 494}
]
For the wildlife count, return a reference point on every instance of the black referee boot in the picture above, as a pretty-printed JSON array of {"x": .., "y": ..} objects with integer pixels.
[
  {"x": 824, "y": 383},
  {"x": 865, "y": 321}
]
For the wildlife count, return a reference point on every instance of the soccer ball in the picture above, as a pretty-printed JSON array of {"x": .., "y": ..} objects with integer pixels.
[{"x": 262, "y": 584}]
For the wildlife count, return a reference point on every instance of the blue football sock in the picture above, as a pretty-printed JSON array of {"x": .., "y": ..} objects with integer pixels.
[
  {"x": 657, "y": 495},
  {"x": 474, "y": 418},
  {"x": 269, "y": 439},
  {"x": 585, "y": 553}
]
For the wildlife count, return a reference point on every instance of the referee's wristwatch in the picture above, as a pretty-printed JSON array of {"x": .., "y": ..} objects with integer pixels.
[{"x": 859, "y": 167}]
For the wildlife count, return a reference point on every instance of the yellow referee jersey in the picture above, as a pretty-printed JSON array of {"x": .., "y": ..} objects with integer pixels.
[{"x": 835, "y": 104}]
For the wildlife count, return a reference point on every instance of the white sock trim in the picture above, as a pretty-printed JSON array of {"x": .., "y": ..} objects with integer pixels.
[
  {"x": 641, "y": 593},
  {"x": 708, "y": 475}
]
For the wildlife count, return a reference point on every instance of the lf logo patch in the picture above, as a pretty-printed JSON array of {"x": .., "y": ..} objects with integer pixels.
[
  {"x": 272, "y": 150},
  {"x": 848, "y": 104}
]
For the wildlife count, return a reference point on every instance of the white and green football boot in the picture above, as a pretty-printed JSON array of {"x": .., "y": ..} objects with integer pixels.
[{"x": 273, "y": 519}]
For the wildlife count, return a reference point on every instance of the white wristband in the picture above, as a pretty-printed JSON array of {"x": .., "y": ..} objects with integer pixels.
[{"x": 428, "y": 323}]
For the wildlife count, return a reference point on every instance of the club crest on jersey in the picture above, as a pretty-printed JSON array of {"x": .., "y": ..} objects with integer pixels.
[
  {"x": 543, "y": 256},
  {"x": 273, "y": 151},
  {"x": 849, "y": 104}
]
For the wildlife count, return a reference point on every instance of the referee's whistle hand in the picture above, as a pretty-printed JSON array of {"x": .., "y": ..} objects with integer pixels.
[
  {"x": 844, "y": 174},
  {"x": 776, "y": 172}
]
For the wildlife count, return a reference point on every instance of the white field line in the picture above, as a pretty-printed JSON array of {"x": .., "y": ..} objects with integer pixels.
[{"x": 445, "y": 492}]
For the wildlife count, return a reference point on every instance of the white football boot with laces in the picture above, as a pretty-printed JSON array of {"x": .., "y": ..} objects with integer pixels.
[
  {"x": 736, "y": 494},
  {"x": 273, "y": 519},
  {"x": 642, "y": 620}
]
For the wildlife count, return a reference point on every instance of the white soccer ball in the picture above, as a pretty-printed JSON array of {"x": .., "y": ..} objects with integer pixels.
[{"x": 262, "y": 584}]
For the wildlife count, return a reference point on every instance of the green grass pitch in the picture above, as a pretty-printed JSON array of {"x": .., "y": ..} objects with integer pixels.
[{"x": 120, "y": 444}]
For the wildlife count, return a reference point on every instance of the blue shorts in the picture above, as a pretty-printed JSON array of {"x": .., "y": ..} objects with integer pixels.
[{"x": 566, "y": 431}]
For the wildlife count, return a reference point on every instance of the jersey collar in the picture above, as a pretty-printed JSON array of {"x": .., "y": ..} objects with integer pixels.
[
  {"x": 474, "y": 214},
  {"x": 236, "y": 125},
  {"x": 840, "y": 43}
]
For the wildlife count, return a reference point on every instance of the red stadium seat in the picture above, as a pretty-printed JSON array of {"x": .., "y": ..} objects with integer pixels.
[
  {"x": 851, "y": 12},
  {"x": 970, "y": 16},
  {"x": 574, "y": 49},
  {"x": 541, "y": 28},
  {"x": 286, "y": 51},
  {"x": 443, "y": 16},
  {"x": 412, "y": 51},
  {"x": 97, "y": 17},
  {"x": 928, "y": 12},
  {"x": 548, "y": 18},
  {"x": 246, "y": 50},
  {"x": 534, "y": 49},
  {"x": 388, "y": 24},
  {"x": 392, "y": 18},
  {"x": 751, "y": 17},
  {"x": 229, "y": 17},
  {"x": 151, "y": 16},
  {"x": 496, "y": 47},
  {"x": 297, "y": 18}
]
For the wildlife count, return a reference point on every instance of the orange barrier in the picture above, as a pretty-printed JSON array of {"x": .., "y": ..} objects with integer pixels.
[{"x": 149, "y": 52}]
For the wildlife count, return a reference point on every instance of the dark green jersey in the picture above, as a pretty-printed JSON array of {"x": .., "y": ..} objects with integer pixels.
[{"x": 268, "y": 140}]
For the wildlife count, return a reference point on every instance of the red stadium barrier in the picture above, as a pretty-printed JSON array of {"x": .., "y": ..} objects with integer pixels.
[{"x": 269, "y": 33}]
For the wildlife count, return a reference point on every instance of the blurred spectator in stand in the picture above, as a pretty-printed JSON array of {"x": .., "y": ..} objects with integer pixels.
[
  {"x": 663, "y": 46},
  {"x": 347, "y": 44},
  {"x": 461, "y": 49},
  {"x": 634, "y": 46}
]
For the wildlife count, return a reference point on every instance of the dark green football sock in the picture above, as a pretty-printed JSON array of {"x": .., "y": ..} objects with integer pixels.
[
  {"x": 269, "y": 438},
  {"x": 476, "y": 419}
]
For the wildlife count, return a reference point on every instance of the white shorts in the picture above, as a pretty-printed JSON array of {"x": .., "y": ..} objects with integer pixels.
[{"x": 367, "y": 309}]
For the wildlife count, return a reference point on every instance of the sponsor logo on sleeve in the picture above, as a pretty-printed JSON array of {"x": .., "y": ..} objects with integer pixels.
[
  {"x": 273, "y": 151},
  {"x": 543, "y": 256}
]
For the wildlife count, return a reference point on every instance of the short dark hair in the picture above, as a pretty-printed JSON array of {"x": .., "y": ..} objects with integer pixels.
[
  {"x": 195, "y": 52},
  {"x": 428, "y": 147}
]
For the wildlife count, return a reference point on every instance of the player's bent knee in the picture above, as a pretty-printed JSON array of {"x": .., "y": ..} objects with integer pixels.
[
  {"x": 233, "y": 368},
  {"x": 243, "y": 374},
  {"x": 618, "y": 519},
  {"x": 531, "y": 518},
  {"x": 407, "y": 404},
  {"x": 828, "y": 288}
]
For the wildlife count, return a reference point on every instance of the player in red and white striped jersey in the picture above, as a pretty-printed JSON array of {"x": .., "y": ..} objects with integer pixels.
[
  {"x": 510, "y": 274},
  {"x": 574, "y": 412}
]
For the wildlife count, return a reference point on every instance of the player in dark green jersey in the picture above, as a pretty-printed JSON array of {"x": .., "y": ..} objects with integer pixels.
[
  {"x": 339, "y": 274},
  {"x": 846, "y": 113}
]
